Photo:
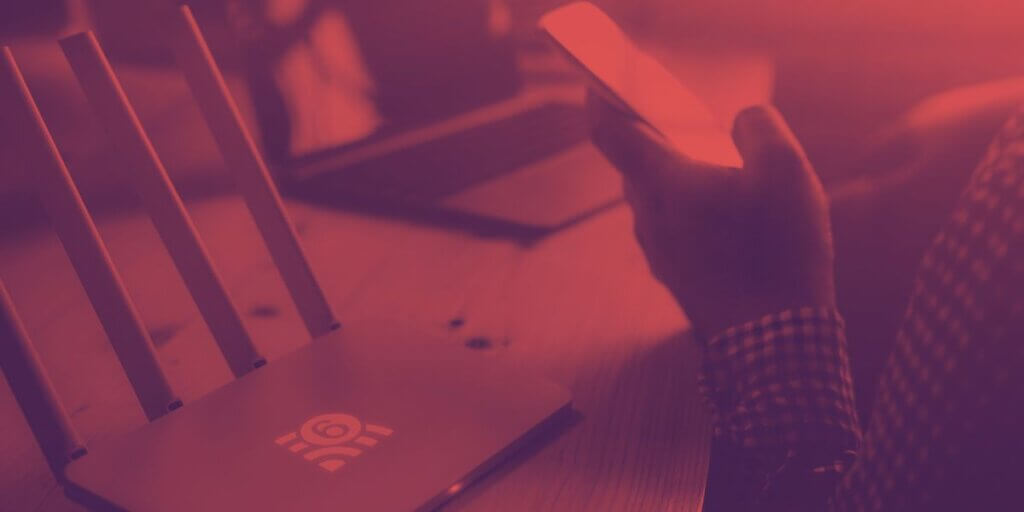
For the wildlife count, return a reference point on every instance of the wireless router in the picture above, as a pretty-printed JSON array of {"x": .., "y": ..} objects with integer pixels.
[{"x": 344, "y": 423}]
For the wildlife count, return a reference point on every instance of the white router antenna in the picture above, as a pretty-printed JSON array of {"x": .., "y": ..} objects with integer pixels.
[
  {"x": 242, "y": 157},
  {"x": 34, "y": 392},
  {"x": 154, "y": 187},
  {"x": 85, "y": 248}
]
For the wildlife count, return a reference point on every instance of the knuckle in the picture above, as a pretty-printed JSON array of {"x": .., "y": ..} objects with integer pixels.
[
  {"x": 779, "y": 155},
  {"x": 755, "y": 113}
]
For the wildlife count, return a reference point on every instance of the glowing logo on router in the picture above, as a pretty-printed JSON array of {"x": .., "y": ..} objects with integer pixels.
[{"x": 327, "y": 439}]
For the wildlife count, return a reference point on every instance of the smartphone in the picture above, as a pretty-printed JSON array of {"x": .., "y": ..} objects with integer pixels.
[{"x": 633, "y": 80}]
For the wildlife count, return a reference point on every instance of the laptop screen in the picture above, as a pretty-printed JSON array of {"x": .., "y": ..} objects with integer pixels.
[{"x": 328, "y": 75}]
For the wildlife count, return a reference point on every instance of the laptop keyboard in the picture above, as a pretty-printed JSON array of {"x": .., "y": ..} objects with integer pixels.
[{"x": 444, "y": 166}]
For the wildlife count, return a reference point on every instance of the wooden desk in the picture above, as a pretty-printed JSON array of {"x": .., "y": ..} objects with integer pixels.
[{"x": 578, "y": 308}]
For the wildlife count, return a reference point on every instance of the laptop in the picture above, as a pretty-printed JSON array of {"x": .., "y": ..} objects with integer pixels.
[
  {"x": 412, "y": 104},
  {"x": 342, "y": 424}
]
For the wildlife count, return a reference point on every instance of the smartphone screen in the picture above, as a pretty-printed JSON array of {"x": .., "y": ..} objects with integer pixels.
[{"x": 634, "y": 80}]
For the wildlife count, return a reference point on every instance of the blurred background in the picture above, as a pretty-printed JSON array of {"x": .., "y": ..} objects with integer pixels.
[
  {"x": 842, "y": 70},
  {"x": 894, "y": 100}
]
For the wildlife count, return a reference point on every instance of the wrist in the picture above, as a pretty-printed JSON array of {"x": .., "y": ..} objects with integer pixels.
[{"x": 710, "y": 320}]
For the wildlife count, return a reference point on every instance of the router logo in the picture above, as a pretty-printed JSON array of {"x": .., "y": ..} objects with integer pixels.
[{"x": 326, "y": 440}]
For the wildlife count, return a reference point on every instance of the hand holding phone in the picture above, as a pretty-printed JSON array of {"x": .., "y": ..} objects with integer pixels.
[{"x": 632, "y": 79}]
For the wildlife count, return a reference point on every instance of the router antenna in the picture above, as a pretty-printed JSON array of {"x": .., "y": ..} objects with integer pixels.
[
  {"x": 85, "y": 248},
  {"x": 34, "y": 392},
  {"x": 165, "y": 206},
  {"x": 240, "y": 153}
]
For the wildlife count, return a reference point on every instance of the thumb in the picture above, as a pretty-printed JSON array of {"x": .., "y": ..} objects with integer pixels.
[{"x": 771, "y": 153}]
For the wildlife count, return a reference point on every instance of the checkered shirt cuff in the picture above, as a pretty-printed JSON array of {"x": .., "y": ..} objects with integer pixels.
[{"x": 783, "y": 383}]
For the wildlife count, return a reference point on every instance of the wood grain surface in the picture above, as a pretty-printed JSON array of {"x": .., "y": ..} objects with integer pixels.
[{"x": 578, "y": 308}]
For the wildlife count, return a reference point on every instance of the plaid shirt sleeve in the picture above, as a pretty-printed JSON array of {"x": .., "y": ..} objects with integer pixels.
[
  {"x": 944, "y": 432},
  {"x": 781, "y": 392},
  {"x": 945, "y": 428}
]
